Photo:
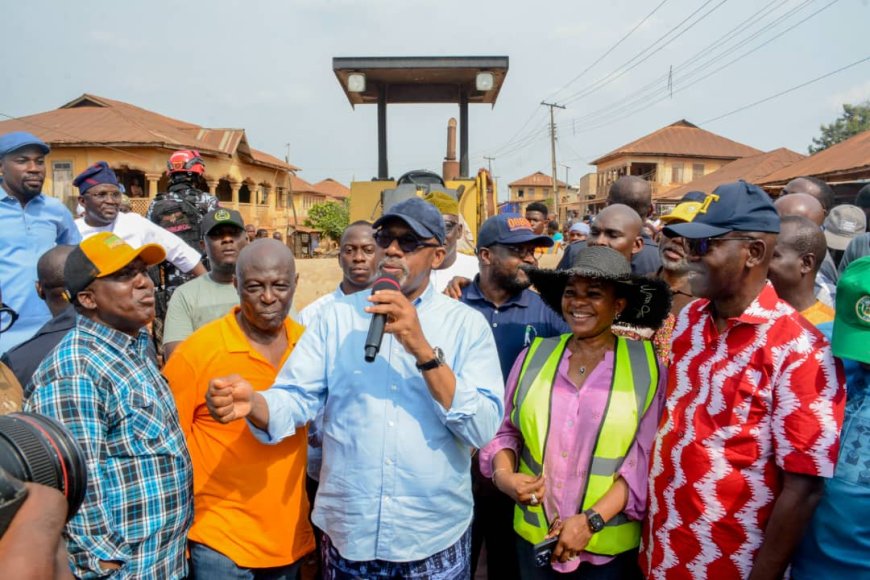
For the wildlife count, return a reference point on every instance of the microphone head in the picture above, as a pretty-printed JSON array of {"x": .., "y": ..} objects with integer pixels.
[{"x": 386, "y": 282}]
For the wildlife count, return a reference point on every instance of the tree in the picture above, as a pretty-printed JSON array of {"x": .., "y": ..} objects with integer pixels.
[
  {"x": 329, "y": 217},
  {"x": 855, "y": 119}
]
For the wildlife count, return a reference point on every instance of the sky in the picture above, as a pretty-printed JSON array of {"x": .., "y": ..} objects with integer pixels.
[{"x": 623, "y": 68}]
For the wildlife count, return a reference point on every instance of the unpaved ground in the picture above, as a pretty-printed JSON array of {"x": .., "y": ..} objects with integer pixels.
[{"x": 317, "y": 276}]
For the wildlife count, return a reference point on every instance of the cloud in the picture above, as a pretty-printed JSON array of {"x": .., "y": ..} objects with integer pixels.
[{"x": 851, "y": 96}]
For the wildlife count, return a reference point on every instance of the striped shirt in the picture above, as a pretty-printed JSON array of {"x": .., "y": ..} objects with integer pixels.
[{"x": 101, "y": 384}]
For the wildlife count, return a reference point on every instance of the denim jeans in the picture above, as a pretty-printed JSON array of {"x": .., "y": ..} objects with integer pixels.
[
  {"x": 623, "y": 567},
  {"x": 453, "y": 563},
  {"x": 208, "y": 564}
]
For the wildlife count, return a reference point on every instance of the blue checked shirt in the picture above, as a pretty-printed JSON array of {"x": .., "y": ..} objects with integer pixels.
[
  {"x": 102, "y": 385},
  {"x": 395, "y": 482}
]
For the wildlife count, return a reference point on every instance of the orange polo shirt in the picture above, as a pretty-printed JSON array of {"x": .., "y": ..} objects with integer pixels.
[{"x": 249, "y": 498}]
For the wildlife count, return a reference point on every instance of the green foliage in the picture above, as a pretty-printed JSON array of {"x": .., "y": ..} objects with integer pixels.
[
  {"x": 329, "y": 217},
  {"x": 855, "y": 119}
]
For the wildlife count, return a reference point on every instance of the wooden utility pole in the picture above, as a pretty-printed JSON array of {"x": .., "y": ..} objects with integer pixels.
[
  {"x": 553, "y": 154},
  {"x": 489, "y": 161}
]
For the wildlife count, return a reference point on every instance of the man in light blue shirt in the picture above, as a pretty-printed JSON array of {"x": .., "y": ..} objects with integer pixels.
[
  {"x": 395, "y": 492},
  {"x": 30, "y": 225}
]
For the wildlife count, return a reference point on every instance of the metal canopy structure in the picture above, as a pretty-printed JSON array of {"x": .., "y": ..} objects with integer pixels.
[{"x": 420, "y": 79}]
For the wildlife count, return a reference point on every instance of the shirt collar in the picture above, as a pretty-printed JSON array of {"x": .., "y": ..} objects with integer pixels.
[
  {"x": 235, "y": 339},
  {"x": 474, "y": 293},
  {"x": 6, "y": 198},
  {"x": 758, "y": 312},
  {"x": 120, "y": 340}
]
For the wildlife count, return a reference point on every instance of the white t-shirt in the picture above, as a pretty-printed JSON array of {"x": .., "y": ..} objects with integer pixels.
[
  {"x": 138, "y": 231},
  {"x": 465, "y": 266}
]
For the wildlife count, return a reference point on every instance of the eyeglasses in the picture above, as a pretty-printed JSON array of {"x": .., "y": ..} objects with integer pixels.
[
  {"x": 519, "y": 251},
  {"x": 104, "y": 195},
  {"x": 449, "y": 226},
  {"x": 407, "y": 243},
  {"x": 7, "y": 317},
  {"x": 700, "y": 246}
]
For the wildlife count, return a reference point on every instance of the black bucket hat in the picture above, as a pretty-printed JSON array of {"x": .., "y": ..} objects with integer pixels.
[{"x": 648, "y": 299}]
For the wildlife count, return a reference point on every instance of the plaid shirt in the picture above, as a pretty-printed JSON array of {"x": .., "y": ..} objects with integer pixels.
[{"x": 102, "y": 385}]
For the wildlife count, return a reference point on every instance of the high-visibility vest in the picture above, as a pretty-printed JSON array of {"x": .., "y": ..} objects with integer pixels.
[{"x": 634, "y": 385}]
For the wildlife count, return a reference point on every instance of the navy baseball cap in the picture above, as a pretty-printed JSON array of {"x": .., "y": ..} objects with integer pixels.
[
  {"x": 509, "y": 228},
  {"x": 421, "y": 216},
  {"x": 732, "y": 207},
  {"x": 19, "y": 139}
]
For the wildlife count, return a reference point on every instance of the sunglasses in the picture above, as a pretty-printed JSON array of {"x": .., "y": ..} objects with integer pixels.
[
  {"x": 408, "y": 243},
  {"x": 519, "y": 251},
  {"x": 700, "y": 246},
  {"x": 7, "y": 317}
]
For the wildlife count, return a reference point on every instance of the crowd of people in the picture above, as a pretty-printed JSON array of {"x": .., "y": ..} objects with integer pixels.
[{"x": 683, "y": 396}]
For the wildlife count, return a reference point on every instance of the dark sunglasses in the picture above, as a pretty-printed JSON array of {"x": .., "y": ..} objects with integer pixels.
[
  {"x": 700, "y": 246},
  {"x": 7, "y": 317},
  {"x": 408, "y": 243},
  {"x": 519, "y": 251}
]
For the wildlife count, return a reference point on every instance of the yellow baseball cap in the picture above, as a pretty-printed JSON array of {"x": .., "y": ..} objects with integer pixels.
[{"x": 101, "y": 255}]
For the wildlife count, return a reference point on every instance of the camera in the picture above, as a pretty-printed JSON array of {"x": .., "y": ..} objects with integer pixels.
[{"x": 37, "y": 449}]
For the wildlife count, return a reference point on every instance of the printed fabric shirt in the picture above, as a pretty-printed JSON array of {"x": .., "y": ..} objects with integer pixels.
[
  {"x": 763, "y": 396},
  {"x": 395, "y": 483},
  {"x": 575, "y": 420},
  {"x": 103, "y": 386},
  {"x": 25, "y": 234}
]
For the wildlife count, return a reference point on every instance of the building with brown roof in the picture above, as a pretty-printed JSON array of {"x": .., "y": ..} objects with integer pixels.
[
  {"x": 845, "y": 163},
  {"x": 668, "y": 158},
  {"x": 136, "y": 143},
  {"x": 752, "y": 169},
  {"x": 535, "y": 187},
  {"x": 332, "y": 189}
]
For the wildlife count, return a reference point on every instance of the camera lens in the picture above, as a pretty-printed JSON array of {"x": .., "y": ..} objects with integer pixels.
[{"x": 38, "y": 449}]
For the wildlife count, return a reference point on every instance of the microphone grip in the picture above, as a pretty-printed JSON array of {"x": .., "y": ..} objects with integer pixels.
[{"x": 375, "y": 336}]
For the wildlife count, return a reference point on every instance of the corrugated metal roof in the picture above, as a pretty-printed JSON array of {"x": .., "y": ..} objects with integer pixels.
[
  {"x": 750, "y": 169},
  {"x": 97, "y": 121},
  {"x": 536, "y": 179},
  {"x": 849, "y": 159},
  {"x": 682, "y": 139}
]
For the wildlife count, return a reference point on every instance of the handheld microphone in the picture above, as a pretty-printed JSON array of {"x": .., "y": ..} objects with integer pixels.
[{"x": 376, "y": 328}]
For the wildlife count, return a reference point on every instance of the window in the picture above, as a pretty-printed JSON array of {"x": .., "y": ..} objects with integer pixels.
[
  {"x": 520, "y": 193},
  {"x": 697, "y": 171},
  {"x": 62, "y": 178},
  {"x": 531, "y": 192},
  {"x": 677, "y": 173}
]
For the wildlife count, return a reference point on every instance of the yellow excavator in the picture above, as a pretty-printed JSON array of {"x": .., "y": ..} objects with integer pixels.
[{"x": 419, "y": 80}]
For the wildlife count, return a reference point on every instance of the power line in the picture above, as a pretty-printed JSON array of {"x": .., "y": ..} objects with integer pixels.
[
  {"x": 787, "y": 91},
  {"x": 609, "y": 50}
]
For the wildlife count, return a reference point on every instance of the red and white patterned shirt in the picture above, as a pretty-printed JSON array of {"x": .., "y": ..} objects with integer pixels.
[{"x": 762, "y": 397}]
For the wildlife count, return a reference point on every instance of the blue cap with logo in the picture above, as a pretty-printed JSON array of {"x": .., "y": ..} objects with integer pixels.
[
  {"x": 421, "y": 216},
  {"x": 98, "y": 173},
  {"x": 732, "y": 207},
  {"x": 18, "y": 140},
  {"x": 509, "y": 228}
]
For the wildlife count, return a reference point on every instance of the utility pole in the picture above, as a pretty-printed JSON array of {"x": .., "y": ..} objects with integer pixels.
[
  {"x": 567, "y": 185},
  {"x": 489, "y": 161},
  {"x": 553, "y": 154}
]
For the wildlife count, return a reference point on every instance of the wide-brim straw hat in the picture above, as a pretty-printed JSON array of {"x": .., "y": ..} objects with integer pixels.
[{"x": 648, "y": 299}]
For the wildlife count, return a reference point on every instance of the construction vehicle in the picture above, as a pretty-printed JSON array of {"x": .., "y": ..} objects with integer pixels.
[{"x": 420, "y": 80}]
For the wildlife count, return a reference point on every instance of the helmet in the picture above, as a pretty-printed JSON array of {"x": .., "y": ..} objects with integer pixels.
[{"x": 186, "y": 161}]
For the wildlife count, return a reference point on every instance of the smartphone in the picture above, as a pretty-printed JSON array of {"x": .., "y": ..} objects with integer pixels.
[{"x": 544, "y": 551}]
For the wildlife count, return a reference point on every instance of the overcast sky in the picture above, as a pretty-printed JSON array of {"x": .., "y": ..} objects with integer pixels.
[{"x": 266, "y": 67}]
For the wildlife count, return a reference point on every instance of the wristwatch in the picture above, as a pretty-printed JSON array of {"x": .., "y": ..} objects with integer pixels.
[
  {"x": 434, "y": 363},
  {"x": 596, "y": 522}
]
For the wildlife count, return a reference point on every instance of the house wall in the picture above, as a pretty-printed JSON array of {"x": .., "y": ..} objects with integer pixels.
[{"x": 664, "y": 179}]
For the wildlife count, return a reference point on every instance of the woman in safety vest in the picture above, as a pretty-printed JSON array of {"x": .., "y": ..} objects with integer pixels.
[{"x": 581, "y": 412}]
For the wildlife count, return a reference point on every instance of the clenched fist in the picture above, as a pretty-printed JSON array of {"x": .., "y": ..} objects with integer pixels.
[{"x": 229, "y": 398}]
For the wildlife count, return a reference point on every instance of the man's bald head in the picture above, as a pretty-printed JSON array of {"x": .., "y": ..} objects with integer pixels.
[
  {"x": 634, "y": 192},
  {"x": 802, "y": 205},
  {"x": 265, "y": 253},
  {"x": 49, "y": 272},
  {"x": 617, "y": 226},
  {"x": 802, "y": 235},
  {"x": 812, "y": 186}
]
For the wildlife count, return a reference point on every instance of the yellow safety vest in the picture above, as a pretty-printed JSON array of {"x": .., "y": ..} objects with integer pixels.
[{"x": 634, "y": 385}]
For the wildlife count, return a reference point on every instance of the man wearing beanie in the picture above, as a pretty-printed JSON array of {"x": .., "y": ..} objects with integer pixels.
[
  {"x": 754, "y": 408},
  {"x": 100, "y": 195},
  {"x": 837, "y": 541},
  {"x": 31, "y": 223},
  {"x": 102, "y": 384}
]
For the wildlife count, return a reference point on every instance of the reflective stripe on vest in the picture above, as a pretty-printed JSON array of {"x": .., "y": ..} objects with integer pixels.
[{"x": 633, "y": 387}]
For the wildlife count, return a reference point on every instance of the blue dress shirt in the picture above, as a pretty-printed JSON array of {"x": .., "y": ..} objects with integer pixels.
[
  {"x": 395, "y": 482},
  {"x": 516, "y": 323},
  {"x": 25, "y": 234}
]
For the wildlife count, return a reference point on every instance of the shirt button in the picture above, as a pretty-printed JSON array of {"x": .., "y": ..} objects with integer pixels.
[
  {"x": 559, "y": 485},
  {"x": 570, "y": 423},
  {"x": 394, "y": 387},
  {"x": 386, "y": 498},
  {"x": 391, "y": 423},
  {"x": 494, "y": 324},
  {"x": 388, "y": 461}
]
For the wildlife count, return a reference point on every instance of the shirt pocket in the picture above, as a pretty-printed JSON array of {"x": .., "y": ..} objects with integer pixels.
[{"x": 144, "y": 424}]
